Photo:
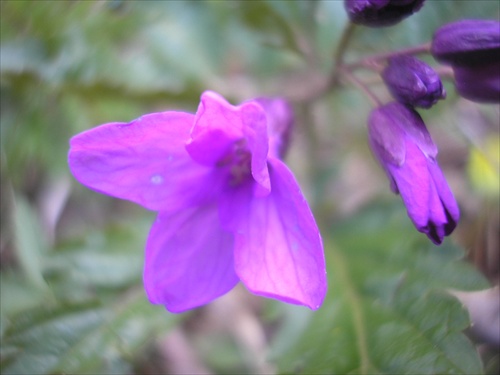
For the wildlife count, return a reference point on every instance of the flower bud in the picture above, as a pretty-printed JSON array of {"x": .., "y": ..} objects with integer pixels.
[
  {"x": 472, "y": 48},
  {"x": 411, "y": 81},
  {"x": 467, "y": 42},
  {"x": 479, "y": 84},
  {"x": 400, "y": 141},
  {"x": 377, "y": 13}
]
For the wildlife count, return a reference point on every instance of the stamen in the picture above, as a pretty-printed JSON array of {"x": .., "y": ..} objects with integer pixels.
[{"x": 238, "y": 162}]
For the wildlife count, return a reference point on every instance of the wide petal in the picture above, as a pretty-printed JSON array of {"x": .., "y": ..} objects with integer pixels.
[
  {"x": 144, "y": 161},
  {"x": 278, "y": 248},
  {"x": 189, "y": 259}
]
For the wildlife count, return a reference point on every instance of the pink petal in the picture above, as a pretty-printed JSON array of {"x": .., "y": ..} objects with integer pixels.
[
  {"x": 189, "y": 259},
  {"x": 144, "y": 161},
  {"x": 278, "y": 248}
]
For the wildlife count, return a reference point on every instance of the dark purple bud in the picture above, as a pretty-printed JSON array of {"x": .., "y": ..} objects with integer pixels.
[
  {"x": 411, "y": 81},
  {"x": 479, "y": 83},
  {"x": 467, "y": 42},
  {"x": 400, "y": 141},
  {"x": 378, "y": 13}
]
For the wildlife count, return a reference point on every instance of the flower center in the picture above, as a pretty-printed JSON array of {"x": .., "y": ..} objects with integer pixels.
[{"x": 237, "y": 161}]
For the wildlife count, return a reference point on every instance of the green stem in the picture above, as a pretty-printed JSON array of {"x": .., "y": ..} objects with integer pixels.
[
  {"x": 332, "y": 79},
  {"x": 356, "y": 308},
  {"x": 340, "y": 52}
]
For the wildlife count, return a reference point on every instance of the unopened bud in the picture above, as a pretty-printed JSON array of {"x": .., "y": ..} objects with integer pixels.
[
  {"x": 377, "y": 13},
  {"x": 411, "y": 81}
]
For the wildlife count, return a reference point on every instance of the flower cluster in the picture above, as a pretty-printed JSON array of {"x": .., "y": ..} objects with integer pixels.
[
  {"x": 403, "y": 146},
  {"x": 398, "y": 136},
  {"x": 229, "y": 209}
]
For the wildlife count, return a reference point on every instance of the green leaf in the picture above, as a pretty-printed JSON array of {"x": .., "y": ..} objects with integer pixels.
[
  {"x": 84, "y": 337},
  {"x": 387, "y": 310},
  {"x": 31, "y": 244}
]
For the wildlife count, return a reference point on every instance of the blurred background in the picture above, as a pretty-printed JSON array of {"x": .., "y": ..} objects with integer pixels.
[{"x": 72, "y": 299}]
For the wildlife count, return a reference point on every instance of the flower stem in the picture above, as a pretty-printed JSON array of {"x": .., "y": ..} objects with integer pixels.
[
  {"x": 370, "y": 61},
  {"x": 361, "y": 86},
  {"x": 445, "y": 72},
  {"x": 339, "y": 53}
]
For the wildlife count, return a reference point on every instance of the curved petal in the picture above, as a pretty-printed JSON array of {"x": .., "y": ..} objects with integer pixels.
[
  {"x": 255, "y": 128},
  {"x": 446, "y": 196},
  {"x": 219, "y": 126},
  {"x": 436, "y": 224},
  {"x": 144, "y": 161},
  {"x": 280, "y": 121},
  {"x": 414, "y": 184},
  {"x": 189, "y": 259},
  {"x": 278, "y": 248},
  {"x": 386, "y": 137}
]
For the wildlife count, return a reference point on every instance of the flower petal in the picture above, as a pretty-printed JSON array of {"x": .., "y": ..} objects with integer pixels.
[
  {"x": 446, "y": 196},
  {"x": 144, "y": 161},
  {"x": 278, "y": 248},
  {"x": 189, "y": 259},
  {"x": 219, "y": 125},
  {"x": 255, "y": 128},
  {"x": 386, "y": 137},
  {"x": 414, "y": 184},
  {"x": 280, "y": 120},
  {"x": 216, "y": 127}
]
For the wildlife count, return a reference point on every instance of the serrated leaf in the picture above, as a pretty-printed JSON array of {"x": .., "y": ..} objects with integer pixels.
[
  {"x": 41, "y": 335},
  {"x": 82, "y": 338},
  {"x": 387, "y": 310}
]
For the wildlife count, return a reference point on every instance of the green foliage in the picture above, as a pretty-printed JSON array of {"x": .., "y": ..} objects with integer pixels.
[
  {"x": 75, "y": 304},
  {"x": 387, "y": 310},
  {"x": 82, "y": 337}
]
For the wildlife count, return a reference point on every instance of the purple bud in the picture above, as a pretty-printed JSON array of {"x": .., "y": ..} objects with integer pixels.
[
  {"x": 479, "y": 83},
  {"x": 400, "y": 141},
  {"x": 467, "y": 42},
  {"x": 411, "y": 81},
  {"x": 377, "y": 13}
]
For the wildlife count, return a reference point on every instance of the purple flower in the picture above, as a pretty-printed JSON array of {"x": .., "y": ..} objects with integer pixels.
[
  {"x": 411, "y": 81},
  {"x": 467, "y": 42},
  {"x": 377, "y": 13},
  {"x": 229, "y": 208},
  {"x": 404, "y": 148}
]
